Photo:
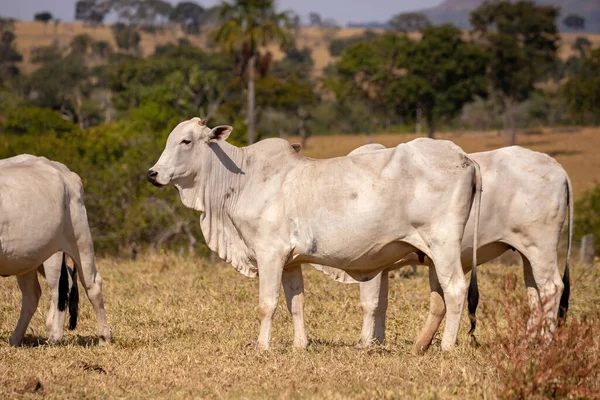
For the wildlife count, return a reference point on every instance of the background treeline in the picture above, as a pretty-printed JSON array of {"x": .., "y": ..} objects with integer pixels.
[{"x": 105, "y": 112}]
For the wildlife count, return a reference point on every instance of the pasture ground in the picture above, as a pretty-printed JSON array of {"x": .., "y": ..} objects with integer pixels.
[{"x": 183, "y": 329}]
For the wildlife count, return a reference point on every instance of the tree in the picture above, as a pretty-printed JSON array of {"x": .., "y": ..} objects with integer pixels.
[
  {"x": 582, "y": 91},
  {"x": 188, "y": 15},
  {"x": 582, "y": 45},
  {"x": 521, "y": 39},
  {"x": 43, "y": 16},
  {"x": 315, "y": 19},
  {"x": 92, "y": 11},
  {"x": 409, "y": 22},
  {"x": 245, "y": 27},
  {"x": 9, "y": 55},
  {"x": 447, "y": 73},
  {"x": 370, "y": 72},
  {"x": 575, "y": 22},
  {"x": 126, "y": 36}
]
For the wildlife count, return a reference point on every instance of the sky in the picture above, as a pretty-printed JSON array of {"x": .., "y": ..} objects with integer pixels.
[{"x": 342, "y": 11}]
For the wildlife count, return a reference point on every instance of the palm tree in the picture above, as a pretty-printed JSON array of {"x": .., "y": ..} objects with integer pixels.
[{"x": 245, "y": 27}]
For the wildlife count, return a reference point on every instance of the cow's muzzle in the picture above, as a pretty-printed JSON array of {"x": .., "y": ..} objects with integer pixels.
[{"x": 152, "y": 175}]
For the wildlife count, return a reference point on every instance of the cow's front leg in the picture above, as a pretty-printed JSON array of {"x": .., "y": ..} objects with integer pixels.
[
  {"x": 293, "y": 286},
  {"x": 30, "y": 292},
  {"x": 374, "y": 302},
  {"x": 270, "y": 270}
]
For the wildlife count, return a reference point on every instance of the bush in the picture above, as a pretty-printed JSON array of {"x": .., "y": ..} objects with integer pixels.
[
  {"x": 125, "y": 212},
  {"x": 566, "y": 368},
  {"x": 35, "y": 121},
  {"x": 587, "y": 216}
]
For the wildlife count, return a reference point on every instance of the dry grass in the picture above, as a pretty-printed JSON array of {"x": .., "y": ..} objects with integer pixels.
[
  {"x": 575, "y": 149},
  {"x": 34, "y": 34},
  {"x": 184, "y": 329}
]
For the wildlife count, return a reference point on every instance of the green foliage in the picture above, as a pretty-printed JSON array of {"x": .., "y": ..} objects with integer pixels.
[
  {"x": 409, "y": 22},
  {"x": 337, "y": 46},
  {"x": 582, "y": 91},
  {"x": 35, "y": 121},
  {"x": 43, "y": 16},
  {"x": 394, "y": 75},
  {"x": 8, "y": 52},
  {"x": 189, "y": 15},
  {"x": 521, "y": 39},
  {"x": 126, "y": 36},
  {"x": 587, "y": 216},
  {"x": 124, "y": 210}
]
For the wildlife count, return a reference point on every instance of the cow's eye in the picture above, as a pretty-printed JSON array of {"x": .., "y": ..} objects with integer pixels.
[{"x": 185, "y": 141}]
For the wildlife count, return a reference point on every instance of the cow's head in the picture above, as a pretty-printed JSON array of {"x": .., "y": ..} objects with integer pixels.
[{"x": 186, "y": 148}]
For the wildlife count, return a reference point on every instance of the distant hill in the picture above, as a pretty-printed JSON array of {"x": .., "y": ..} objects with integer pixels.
[
  {"x": 457, "y": 12},
  {"x": 34, "y": 34}
]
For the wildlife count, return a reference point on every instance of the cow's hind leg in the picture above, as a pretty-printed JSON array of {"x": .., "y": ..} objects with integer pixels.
[
  {"x": 452, "y": 280},
  {"x": 30, "y": 292},
  {"x": 544, "y": 267},
  {"x": 533, "y": 298},
  {"x": 374, "y": 302},
  {"x": 293, "y": 286},
  {"x": 437, "y": 310},
  {"x": 82, "y": 254}
]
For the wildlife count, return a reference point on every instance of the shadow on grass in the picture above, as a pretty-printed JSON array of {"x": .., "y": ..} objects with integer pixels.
[{"x": 32, "y": 341}]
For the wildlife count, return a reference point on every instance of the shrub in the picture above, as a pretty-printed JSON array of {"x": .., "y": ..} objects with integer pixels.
[
  {"x": 569, "y": 367},
  {"x": 587, "y": 216},
  {"x": 35, "y": 121}
]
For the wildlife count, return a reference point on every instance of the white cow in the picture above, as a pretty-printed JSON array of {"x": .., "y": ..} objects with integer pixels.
[
  {"x": 61, "y": 279},
  {"x": 42, "y": 213},
  {"x": 524, "y": 205},
  {"x": 266, "y": 210}
]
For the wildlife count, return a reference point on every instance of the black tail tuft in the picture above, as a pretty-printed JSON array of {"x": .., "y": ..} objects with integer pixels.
[
  {"x": 73, "y": 302},
  {"x": 63, "y": 286},
  {"x": 564, "y": 299},
  {"x": 473, "y": 300}
]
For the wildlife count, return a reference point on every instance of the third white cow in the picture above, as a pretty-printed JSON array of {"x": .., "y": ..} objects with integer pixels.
[{"x": 524, "y": 206}]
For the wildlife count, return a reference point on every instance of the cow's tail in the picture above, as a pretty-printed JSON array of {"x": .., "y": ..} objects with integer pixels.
[
  {"x": 473, "y": 294},
  {"x": 66, "y": 298},
  {"x": 564, "y": 299},
  {"x": 63, "y": 285},
  {"x": 73, "y": 302}
]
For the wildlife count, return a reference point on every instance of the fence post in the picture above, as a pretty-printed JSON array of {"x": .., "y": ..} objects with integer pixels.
[{"x": 586, "y": 251}]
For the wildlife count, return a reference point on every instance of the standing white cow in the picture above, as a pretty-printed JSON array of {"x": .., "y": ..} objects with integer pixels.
[
  {"x": 61, "y": 279},
  {"x": 266, "y": 210},
  {"x": 523, "y": 207},
  {"x": 42, "y": 213}
]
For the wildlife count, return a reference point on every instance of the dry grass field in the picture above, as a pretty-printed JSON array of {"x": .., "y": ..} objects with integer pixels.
[
  {"x": 185, "y": 329},
  {"x": 34, "y": 34}
]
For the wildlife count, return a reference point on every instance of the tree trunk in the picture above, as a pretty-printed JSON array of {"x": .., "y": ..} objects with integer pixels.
[
  {"x": 430, "y": 125},
  {"x": 418, "y": 124},
  {"x": 251, "y": 95},
  {"x": 510, "y": 128}
]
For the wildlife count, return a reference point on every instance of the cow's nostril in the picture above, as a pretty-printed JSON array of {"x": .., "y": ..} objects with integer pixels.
[{"x": 151, "y": 175}]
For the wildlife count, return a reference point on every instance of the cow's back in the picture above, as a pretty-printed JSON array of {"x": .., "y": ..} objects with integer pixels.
[{"x": 524, "y": 194}]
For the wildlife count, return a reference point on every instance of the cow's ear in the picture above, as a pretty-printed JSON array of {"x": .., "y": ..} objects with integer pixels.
[
  {"x": 297, "y": 147},
  {"x": 220, "y": 132}
]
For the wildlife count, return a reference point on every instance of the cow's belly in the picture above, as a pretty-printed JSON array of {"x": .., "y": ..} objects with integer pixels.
[
  {"x": 24, "y": 247},
  {"x": 352, "y": 259}
]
